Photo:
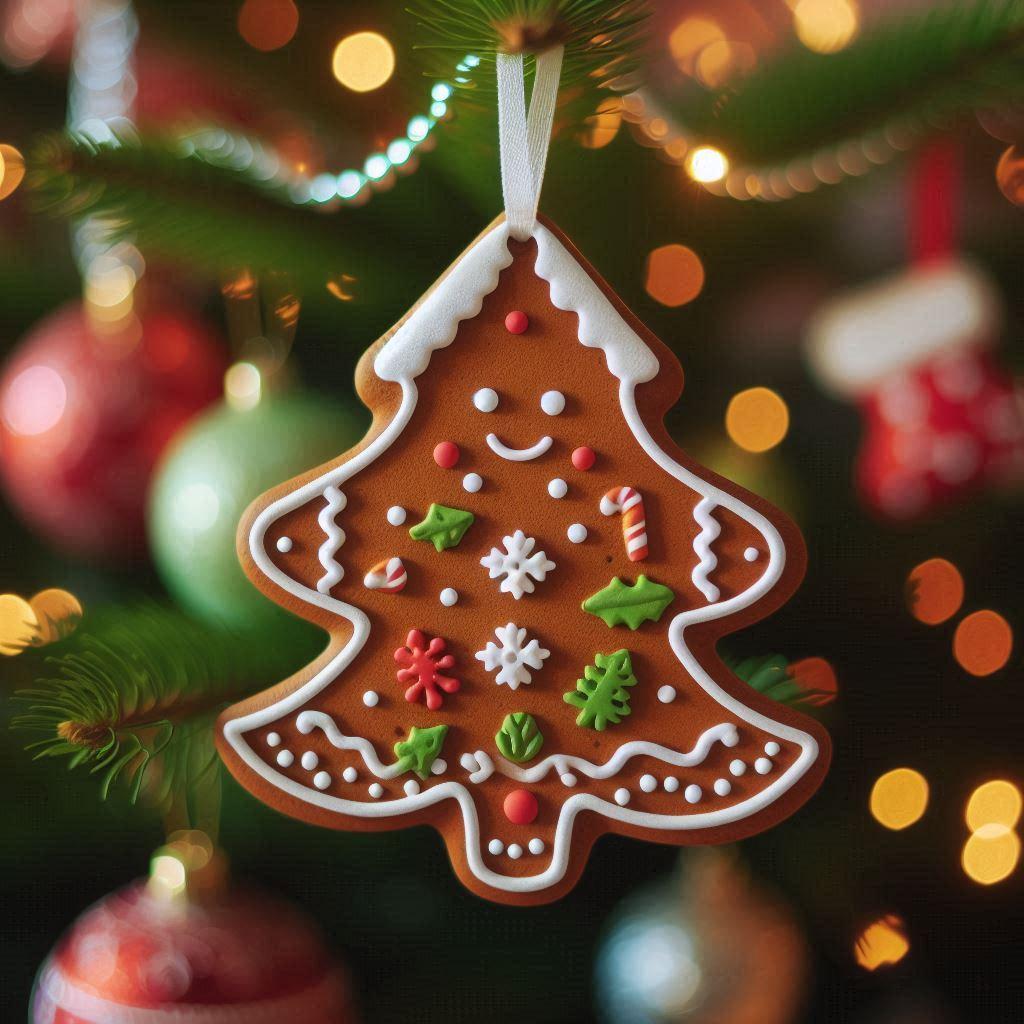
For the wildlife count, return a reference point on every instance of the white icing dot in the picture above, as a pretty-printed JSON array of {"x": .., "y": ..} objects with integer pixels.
[
  {"x": 536, "y": 846},
  {"x": 396, "y": 515},
  {"x": 622, "y": 797},
  {"x": 310, "y": 760},
  {"x": 751, "y": 554},
  {"x": 762, "y": 766},
  {"x": 552, "y": 402},
  {"x": 568, "y": 779},
  {"x": 439, "y": 767},
  {"x": 515, "y": 851},
  {"x": 284, "y": 545},
  {"x": 371, "y": 698},
  {"x": 449, "y": 596},
  {"x": 648, "y": 783},
  {"x": 737, "y": 767},
  {"x": 666, "y": 694},
  {"x": 577, "y": 533},
  {"x": 692, "y": 794},
  {"x": 723, "y": 787},
  {"x": 730, "y": 739},
  {"x": 321, "y": 780},
  {"x": 285, "y": 758},
  {"x": 558, "y": 488},
  {"x": 772, "y": 748},
  {"x": 376, "y": 790},
  {"x": 350, "y": 774},
  {"x": 412, "y": 787},
  {"x": 671, "y": 784},
  {"x": 496, "y": 846},
  {"x": 273, "y": 739},
  {"x": 486, "y": 399},
  {"x": 472, "y": 482}
]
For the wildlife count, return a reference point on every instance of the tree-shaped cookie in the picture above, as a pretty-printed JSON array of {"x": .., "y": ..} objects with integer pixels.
[{"x": 524, "y": 581}]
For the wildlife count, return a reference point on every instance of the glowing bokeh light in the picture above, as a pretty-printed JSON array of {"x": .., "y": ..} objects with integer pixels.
[
  {"x": 982, "y": 643},
  {"x": 994, "y": 803},
  {"x": 364, "y": 61},
  {"x": 935, "y": 591},
  {"x": 817, "y": 681},
  {"x": 1009, "y": 175},
  {"x": 757, "y": 419},
  {"x": 268, "y": 24},
  {"x": 883, "y": 943},
  {"x": 12, "y": 170},
  {"x": 376, "y": 166},
  {"x": 243, "y": 386},
  {"x": 899, "y": 798},
  {"x": 19, "y": 627},
  {"x": 826, "y": 26},
  {"x": 707, "y": 164},
  {"x": 675, "y": 275},
  {"x": 196, "y": 507},
  {"x": 722, "y": 61},
  {"x": 690, "y": 38},
  {"x": 57, "y": 612},
  {"x": 399, "y": 151},
  {"x": 35, "y": 401},
  {"x": 603, "y": 126},
  {"x": 349, "y": 184},
  {"x": 990, "y": 854},
  {"x": 418, "y": 128}
]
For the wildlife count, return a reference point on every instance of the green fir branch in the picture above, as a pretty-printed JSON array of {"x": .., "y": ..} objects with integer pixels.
[{"x": 770, "y": 675}]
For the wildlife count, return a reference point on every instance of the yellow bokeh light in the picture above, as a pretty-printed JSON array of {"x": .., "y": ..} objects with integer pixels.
[
  {"x": 935, "y": 591},
  {"x": 243, "y": 386},
  {"x": 19, "y": 627},
  {"x": 757, "y": 419},
  {"x": 899, "y": 798},
  {"x": 57, "y": 612},
  {"x": 603, "y": 126},
  {"x": 363, "y": 61},
  {"x": 707, "y": 164},
  {"x": 990, "y": 854},
  {"x": 982, "y": 643},
  {"x": 884, "y": 942},
  {"x": 826, "y": 26},
  {"x": 690, "y": 37},
  {"x": 12, "y": 170},
  {"x": 994, "y": 803},
  {"x": 675, "y": 275}
]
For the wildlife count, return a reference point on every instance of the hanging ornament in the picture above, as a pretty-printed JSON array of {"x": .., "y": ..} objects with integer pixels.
[
  {"x": 186, "y": 946},
  {"x": 85, "y": 414},
  {"x": 525, "y": 598}
]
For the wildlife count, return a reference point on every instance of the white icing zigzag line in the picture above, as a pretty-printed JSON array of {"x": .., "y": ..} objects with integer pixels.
[
  {"x": 336, "y": 501},
  {"x": 518, "y": 454},
  {"x": 479, "y": 765},
  {"x": 307, "y": 721},
  {"x": 702, "y": 548}
]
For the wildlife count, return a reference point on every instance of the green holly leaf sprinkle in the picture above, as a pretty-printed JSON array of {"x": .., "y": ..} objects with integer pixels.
[
  {"x": 443, "y": 527},
  {"x": 519, "y": 738},
  {"x": 420, "y": 750},
  {"x": 602, "y": 695},
  {"x": 620, "y": 604}
]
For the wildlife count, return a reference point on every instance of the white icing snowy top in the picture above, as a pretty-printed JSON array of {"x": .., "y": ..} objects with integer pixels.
[{"x": 460, "y": 295}]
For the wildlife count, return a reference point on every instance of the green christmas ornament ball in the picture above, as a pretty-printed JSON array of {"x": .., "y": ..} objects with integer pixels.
[{"x": 212, "y": 471}]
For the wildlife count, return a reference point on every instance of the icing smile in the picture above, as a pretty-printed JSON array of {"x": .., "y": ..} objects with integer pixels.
[{"x": 518, "y": 454}]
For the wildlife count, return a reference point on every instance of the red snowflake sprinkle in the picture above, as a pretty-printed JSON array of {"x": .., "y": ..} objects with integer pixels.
[{"x": 421, "y": 665}]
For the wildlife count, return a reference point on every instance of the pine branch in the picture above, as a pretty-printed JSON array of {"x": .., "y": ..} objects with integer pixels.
[
  {"x": 926, "y": 67},
  {"x": 134, "y": 695},
  {"x": 772, "y": 675}
]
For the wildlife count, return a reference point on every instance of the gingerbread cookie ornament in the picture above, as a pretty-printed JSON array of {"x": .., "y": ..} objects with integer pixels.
[{"x": 524, "y": 581}]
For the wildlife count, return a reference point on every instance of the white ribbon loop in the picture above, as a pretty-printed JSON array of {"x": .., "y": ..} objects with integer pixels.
[{"x": 523, "y": 137}]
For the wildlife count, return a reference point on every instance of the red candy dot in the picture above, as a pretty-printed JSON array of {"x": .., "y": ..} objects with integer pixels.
[
  {"x": 520, "y": 807},
  {"x": 446, "y": 454},
  {"x": 516, "y": 322},
  {"x": 583, "y": 458}
]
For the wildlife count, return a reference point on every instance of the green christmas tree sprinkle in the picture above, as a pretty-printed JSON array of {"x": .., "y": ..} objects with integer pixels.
[
  {"x": 519, "y": 738},
  {"x": 443, "y": 527},
  {"x": 602, "y": 695},
  {"x": 620, "y": 604},
  {"x": 420, "y": 750}
]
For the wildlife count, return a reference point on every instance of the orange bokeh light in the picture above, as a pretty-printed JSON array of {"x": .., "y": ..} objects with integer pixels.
[
  {"x": 994, "y": 803},
  {"x": 982, "y": 643},
  {"x": 884, "y": 942},
  {"x": 899, "y": 798},
  {"x": 12, "y": 170},
  {"x": 991, "y": 854},
  {"x": 935, "y": 591},
  {"x": 815, "y": 676},
  {"x": 675, "y": 275},
  {"x": 757, "y": 419},
  {"x": 268, "y": 24}
]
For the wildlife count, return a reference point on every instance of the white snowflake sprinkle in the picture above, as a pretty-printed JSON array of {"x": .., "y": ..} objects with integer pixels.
[
  {"x": 518, "y": 565},
  {"x": 514, "y": 657}
]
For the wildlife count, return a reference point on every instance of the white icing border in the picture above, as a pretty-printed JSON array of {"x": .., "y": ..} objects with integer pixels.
[{"x": 431, "y": 326}]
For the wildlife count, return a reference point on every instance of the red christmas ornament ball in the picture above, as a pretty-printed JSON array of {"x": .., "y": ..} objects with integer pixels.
[
  {"x": 520, "y": 807},
  {"x": 86, "y": 413},
  {"x": 517, "y": 322}
]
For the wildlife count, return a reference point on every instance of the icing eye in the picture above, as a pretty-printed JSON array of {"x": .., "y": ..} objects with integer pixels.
[
  {"x": 552, "y": 402},
  {"x": 486, "y": 399}
]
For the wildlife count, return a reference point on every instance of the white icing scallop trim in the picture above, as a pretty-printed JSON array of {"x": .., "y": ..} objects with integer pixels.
[
  {"x": 707, "y": 559},
  {"x": 518, "y": 454},
  {"x": 403, "y": 358},
  {"x": 336, "y": 501}
]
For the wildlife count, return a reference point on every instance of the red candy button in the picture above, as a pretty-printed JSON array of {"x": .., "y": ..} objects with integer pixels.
[
  {"x": 516, "y": 322},
  {"x": 521, "y": 807},
  {"x": 446, "y": 454},
  {"x": 583, "y": 458}
]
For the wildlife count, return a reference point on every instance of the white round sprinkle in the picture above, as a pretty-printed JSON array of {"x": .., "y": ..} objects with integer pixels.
[
  {"x": 310, "y": 761},
  {"x": 762, "y": 766},
  {"x": 439, "y": 767},
  {"x": 449, "y": 596},
  {"x": 350, "y": 774},
  {"x": 751, "y": 554},
  {"x": 692, "y": 794},
  {"x": 371, "y": 698},
  {"x": 730, "y": 739},
  {"x": 284, "y": 545},
  {"x": 666, "y": 694},
  {"x": 671, "y": 784},
  {"x": 486, "y": 399},
  {"x": 472, "y": 482},
  {"x": 772, "y": 748},
  {"x": 577, "y": 533},
  {"x": 723, "y": 787},
  {"x": 376, "y": 791},
  {"x": 515, "y": 851},
  {"x": 285, "y": 758},
  {"x": 412, "y": 787},
  {"x": 321, "y": 780},
  {"x": 568, "y": 779},
  {"x": 273, "y": 739},
  {"x": 536, "y": 846},
  {"x": 737, "y": 767},
  {"x": 496, "y": 846},
  {"x": 552, "y": 402},
  {"x": 648, "y": 783},
  {"x": 396, "y": 515},
  {"x": 622, "y": 797},
  {"x": 558, "y": 488}
]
